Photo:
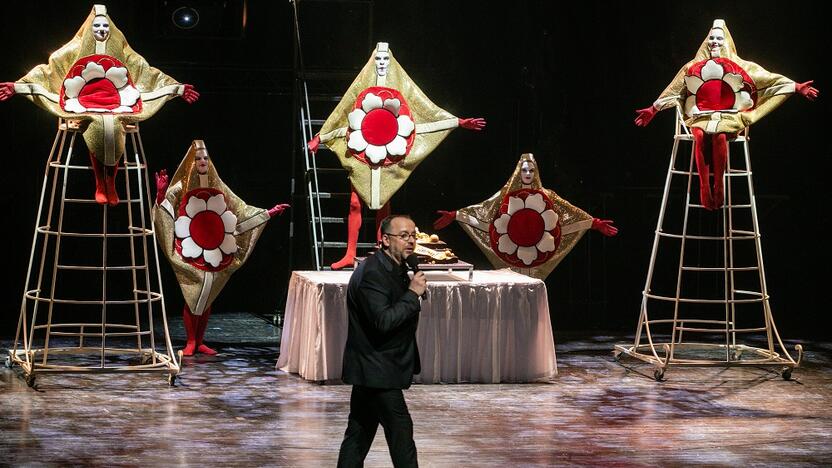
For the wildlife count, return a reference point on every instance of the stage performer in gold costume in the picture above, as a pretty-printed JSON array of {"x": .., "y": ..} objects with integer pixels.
[
  {"x": 206, "y": 232},
  {"x": 381, "y": 130},
  {"x": 100, "y": 81},
  {"x": 524, "y": 226}
]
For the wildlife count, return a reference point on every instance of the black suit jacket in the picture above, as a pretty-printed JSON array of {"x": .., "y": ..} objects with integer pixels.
[{"x": 381, "y": 347}]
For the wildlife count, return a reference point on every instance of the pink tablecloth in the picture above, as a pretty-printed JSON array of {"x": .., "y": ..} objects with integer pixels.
[{"x": 493, "y": 329}]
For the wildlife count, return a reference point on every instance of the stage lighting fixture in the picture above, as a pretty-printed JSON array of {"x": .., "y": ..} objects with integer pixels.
[
  {"x": 185, "y": 17},
  {"x": 201, "y": 19}
]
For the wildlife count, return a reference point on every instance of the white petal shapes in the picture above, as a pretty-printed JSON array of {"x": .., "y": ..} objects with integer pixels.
[
  {"x": 547, "y": 243},
  {"x": 355, "y": 118},
  {"x": 506, "y": 245},
  {"x": 712, "y": 71},
  {"x": 536, "y": 202},
  {"x": 734, "y": 81},
  {"x": 406, "y": 126},
  {"x": 550, "y": 220},
  {"x": 195, "y": 205},
  {"x": 122, "y": 110},
  {"x": 229, "y": 221},
  {"x": 72, "y": 86},
  {"x": 182, "y": 227},
  {"x": 376, "y": 153},
  {"x": 743, "y": 101},
  {"x": 392, "y": 105},
  {"x": 129, "y": 95},
  {"x": 370, "y": 102},
  {"x": 216, "y": 203},
  {"x": 690, "y": 106},
  {"x": 92, "y": 71},
  {"x": 514, "y": 204},
  {"x": 213, "y": 257},
  {"x": 117, "y": 76},
  {"x": 501, "y": 223},
  {"x": 693, "y": 82},
  {"x": 357, "y": 142},
  {"x": 397, "y": 147},
  {"x": 527, "y": 254},
  {"x": 229, "y": 244},
  {"x": 72, "y": 105},
  {"x": 190, "y": 249}
]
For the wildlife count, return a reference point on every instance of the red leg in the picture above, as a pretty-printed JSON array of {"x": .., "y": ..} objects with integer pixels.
[
  {"x": 719, "y": 155},
  {"x": 703, "y": 167},
  {"x": 380, "y": 215},
  {"x": 190, "y": 321},
  {"x": 200, "y": 334},
  {"x": 100, "y": 184},
  {"x": 353, "y": 226},
  {"x": 110, "y": 184}
]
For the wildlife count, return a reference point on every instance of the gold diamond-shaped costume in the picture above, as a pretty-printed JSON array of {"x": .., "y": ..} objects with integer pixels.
[
  {"x": 478, "y": 222},
  {"x": 771, "y": 90},
  {"x": 104, "y": 135},
  {"x": 202, "y": 283},
  {"x": 375, "y": 183}
]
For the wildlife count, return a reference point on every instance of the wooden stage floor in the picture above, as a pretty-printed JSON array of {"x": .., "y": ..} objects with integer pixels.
[{"x": 237, "y": 410}]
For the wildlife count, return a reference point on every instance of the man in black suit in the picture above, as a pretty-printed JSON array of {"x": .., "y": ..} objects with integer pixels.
[{"x": 381, "y": 356}]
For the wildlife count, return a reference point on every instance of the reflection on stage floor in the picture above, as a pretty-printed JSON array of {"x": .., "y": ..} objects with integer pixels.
[{"x": 235, "y": 409}]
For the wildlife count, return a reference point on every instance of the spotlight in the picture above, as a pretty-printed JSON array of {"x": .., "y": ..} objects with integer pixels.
[{"x": 185, "y": 17}]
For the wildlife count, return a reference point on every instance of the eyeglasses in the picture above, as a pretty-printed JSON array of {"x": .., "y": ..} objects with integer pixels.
[{"x": 405, "y": 236}]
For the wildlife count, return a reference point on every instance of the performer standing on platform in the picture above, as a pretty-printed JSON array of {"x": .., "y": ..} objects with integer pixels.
[
  {"x": 206, "y": 232},
  {"x": 381, "y": 355}
]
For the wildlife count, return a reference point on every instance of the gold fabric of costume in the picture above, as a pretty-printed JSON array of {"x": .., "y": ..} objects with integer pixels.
[
  {"x": 772, "y": 90},
  {"x": 201, "y": 287},
  {"x": 105, "y": 132},
  {"x": 433, "y": 124},
  {"x": 476, "y": 220}
]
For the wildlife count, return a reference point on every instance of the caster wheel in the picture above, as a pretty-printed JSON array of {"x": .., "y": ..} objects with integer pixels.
[
  {"x": 172, "y": 380},
  {"x": 786, "y": 373},
  {"x": 30, "y": 380},
  {"x": 8, "y": 362},
  {"x": 658, "y": 374},
  {"x": 616, "y": 356}
]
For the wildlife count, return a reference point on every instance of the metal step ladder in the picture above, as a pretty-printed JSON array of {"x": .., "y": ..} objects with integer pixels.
[
  {"x": 677, "y": 326},
  {"x": 326, "y": 188}
]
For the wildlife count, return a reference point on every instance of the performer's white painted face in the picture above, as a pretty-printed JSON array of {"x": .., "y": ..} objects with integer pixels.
[
  {"x": 400, "y": 239},
  {"x": 201, "y": 160},
  {"x": 382, "y": 63},
  {"x": 100, "y": 28},
  {"x": 716, "y": 39},
  {"x": 527, "y": 172}
]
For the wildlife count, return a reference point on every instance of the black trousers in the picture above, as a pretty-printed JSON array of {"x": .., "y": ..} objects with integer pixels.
[{"x": 370, "y": 407}]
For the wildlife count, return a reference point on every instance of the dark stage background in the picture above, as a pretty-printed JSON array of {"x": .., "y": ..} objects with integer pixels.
[{"x": 559, "y": 80}]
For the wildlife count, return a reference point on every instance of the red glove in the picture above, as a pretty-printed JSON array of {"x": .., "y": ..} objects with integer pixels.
[
  {"x": 6, "y": 91},
  {"x": 645, "y": 115},
  {"x": 313, "y": 144},
  {"x": 278, "y": 209},
  {"x": 445, "y": 218},
  {"x": 475, "y": 124},
  {"x": 162, "y": 182},
  {"x": 189, "y": 94},
  {"x": 804, "y": 89},
  {"x": 604, "y": 226}
]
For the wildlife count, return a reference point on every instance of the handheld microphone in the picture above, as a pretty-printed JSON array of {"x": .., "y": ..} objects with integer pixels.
[{"x": 413, "y": 263}]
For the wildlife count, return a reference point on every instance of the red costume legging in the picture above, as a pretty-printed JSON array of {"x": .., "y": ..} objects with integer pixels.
[{"x": 717, "y": 143}]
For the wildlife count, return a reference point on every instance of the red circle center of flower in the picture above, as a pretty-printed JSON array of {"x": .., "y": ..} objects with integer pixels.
[
  {"x": 99, "y": 93},
  {"x": 525, "y": 228},
  {"x": 207, "y": 230},
  {"x": 715, "y": 95},
  {"x": 379, "y": 127}
]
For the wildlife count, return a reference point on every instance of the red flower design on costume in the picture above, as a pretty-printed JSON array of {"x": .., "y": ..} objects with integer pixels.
[
  {"x": 381, "y": 128},
  {"x": 205, "y": 230},
  {"x": 101, "y": 84},
  {"x": 718, "y": 84},
  {"x": 527, "y": 231}
]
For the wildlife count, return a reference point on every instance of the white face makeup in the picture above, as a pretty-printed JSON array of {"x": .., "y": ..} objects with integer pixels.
[
  {"x": 100, "y": 28},
  {"x": 527, "y": 172},
  {"x": 716, "y": 39},
  {"x": 382, "y": 60},
  {"x": 201, "y": 160}
]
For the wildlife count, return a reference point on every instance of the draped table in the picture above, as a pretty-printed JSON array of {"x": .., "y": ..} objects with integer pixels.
[{"x": 494, "y": 328}]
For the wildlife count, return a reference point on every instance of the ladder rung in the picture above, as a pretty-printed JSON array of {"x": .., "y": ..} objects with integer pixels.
[
  {"x": 90, "y": 201},
  {"x": 317, "y": 122},
  {"x": 366, "y": 245},
  {"x": 690, "y": 268},
  {"x": 744, "y": 233},
  {"x": 325, "y": 97},
  {"x": 326, "y": 169},
  {"x": 719, "y": 238},
  {"x": 329, "y": 194},
  {"x": 328, "y": 219},
  {"x": 98, "y": 268},
  {"x": 731, "y": 173}
]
